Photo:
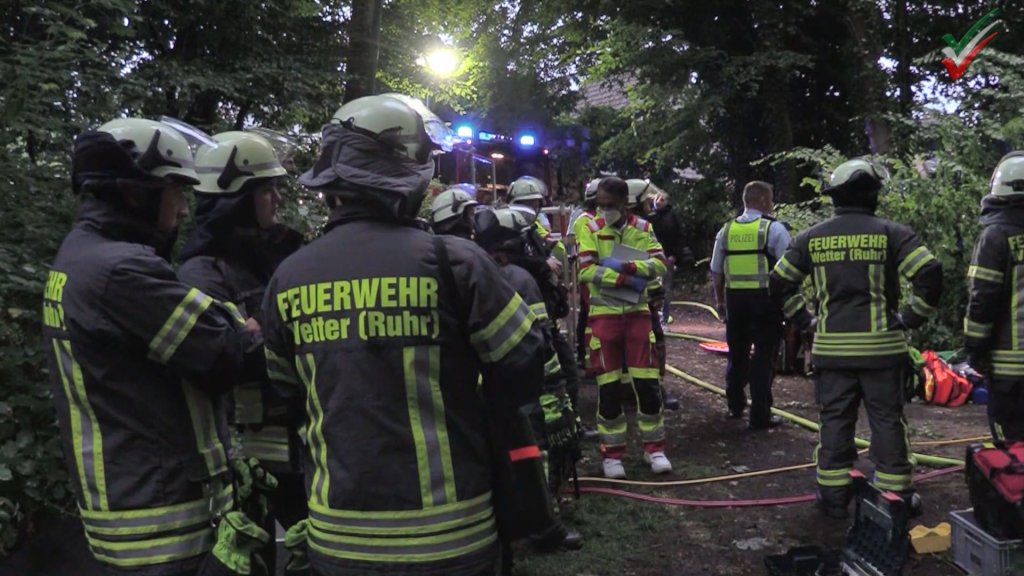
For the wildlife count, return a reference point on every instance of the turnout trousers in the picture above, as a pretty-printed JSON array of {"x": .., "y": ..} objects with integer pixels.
[
  {"x": 1006, "y": 408},
  {"x": 752, "y": 319},
  {"x": 618, "y": 344},
  {"x": 839, "y": 393}
]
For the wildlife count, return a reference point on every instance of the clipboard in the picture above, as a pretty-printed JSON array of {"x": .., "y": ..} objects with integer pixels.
[{"x": 626, "y": 254}]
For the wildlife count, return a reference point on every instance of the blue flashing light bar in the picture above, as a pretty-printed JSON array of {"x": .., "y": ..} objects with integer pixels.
[
  {"x": 464, "y": 131},
  {"x": 527, "y": 140},
  {"x": 486, "y": 136}
]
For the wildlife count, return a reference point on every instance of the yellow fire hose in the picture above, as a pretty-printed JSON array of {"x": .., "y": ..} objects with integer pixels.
[{"x": 813, "y": 426}]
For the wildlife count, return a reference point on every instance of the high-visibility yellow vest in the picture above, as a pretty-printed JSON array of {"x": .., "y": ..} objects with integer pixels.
[{"x": 746, "y": 254}]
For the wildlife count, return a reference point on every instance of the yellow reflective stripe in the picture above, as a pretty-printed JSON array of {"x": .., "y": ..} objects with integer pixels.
[
  {"x": 235, "y": 313},
  {"x": 321, "y": 474},
  {"x": 279, "y": 369},
  {"x": 613, "y": 431},
  {"x": 422, "y": 365},
  {"x": 922, "y": 308},
  {"x": 789, "y": 272},
  {"x": 838, "y": 338},
  {"x": 269, "y": 443},
  {"x": 552, "y": 366},
  {"x": 839, "y": 477},
  {"x": 86, "y": 434},
  {"x": 1016, "y": 309},
  {"x": 152, "y": 551},
  {"x": 652, "y": 426},
  {"x": 974, "y": 329},
  {"x": 1007, "y": 369},
  {"x": 422, "y": 517},
  {"x": 876, "y": 305},
  {"x": 204, "y": 427},
  {"x": 914, "y": 261},
  {"x": 793, "y": 305},
  {"x": 540, "y": 310},
  {"x": 178, "y": 325},
  {"x": 404, "y": 550},
  {"x": 504, "y": 332},
  {"x": 1008, "y": 356},
  {"x": 897, "y": 482},
  {"x": 823, "y": 296},
  {"x": 987, "y": 274},
  {"x": 75, "y": 414},
  {"x": 645, "y": 373}
]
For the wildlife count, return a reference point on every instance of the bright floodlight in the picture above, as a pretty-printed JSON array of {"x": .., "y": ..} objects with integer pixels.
[
  {"x": 497, "y": 156},
  {"x": 527, "y": 140},
  {"x": 442, "y": 62},
  {"x": 464, "y": 131}
]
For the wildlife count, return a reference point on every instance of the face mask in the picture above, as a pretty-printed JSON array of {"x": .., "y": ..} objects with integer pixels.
[{"x": 609, "y": 215}]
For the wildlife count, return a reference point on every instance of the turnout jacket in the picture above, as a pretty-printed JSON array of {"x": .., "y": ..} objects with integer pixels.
[
  {"x": 855, "y": 261},
  {"x": 994, "y": 322},
  {"x": 596, "y": 242},
  {"x": 524, "y": 284},
  {"x": 137, "y": 361},
  {"x": 234, "y": 267},
  {"x": 390, "y": 341}
]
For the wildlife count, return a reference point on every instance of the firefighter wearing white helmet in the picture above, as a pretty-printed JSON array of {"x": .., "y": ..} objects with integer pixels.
[
  {"x": 415, "y": 356},
  {"x": 451, "y": 212},
  {"x": 231, "y": 253},
  {"x": 527, "y": 194},
  {"x": 149, "y": 407},
  {"x": 857, "y": 262},
  {"x": 994, "y": 296}
]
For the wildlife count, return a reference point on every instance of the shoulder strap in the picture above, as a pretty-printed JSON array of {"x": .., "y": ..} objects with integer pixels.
[{"x": 448, "y": 286}]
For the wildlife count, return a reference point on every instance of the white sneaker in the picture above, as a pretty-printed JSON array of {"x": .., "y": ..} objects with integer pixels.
[
  {"x": 659, "y": 463},
  {"x": 613, "y": 469}
]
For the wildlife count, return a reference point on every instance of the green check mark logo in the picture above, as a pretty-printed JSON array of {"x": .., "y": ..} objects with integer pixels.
[{"x": 959, "y": 54}]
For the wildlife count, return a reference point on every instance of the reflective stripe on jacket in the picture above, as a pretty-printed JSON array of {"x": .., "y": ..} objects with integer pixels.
[{"x": 856, "y": 261}]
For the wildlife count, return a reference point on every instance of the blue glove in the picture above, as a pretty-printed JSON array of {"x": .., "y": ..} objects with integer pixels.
[
  {"x": 613, "y": 263},
  {"x": 636, "y": 283}
]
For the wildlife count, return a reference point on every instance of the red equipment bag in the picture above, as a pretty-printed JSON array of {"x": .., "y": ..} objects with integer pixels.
[
  {"x": 995, "y": 480},
  {"x": 943, "y": 386}
]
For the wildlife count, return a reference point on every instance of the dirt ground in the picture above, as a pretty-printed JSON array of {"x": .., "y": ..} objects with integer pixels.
[{"x": 628, "y": 537}]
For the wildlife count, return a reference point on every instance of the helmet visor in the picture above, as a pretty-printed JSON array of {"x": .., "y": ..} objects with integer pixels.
[{"x": 438, "y": 133}]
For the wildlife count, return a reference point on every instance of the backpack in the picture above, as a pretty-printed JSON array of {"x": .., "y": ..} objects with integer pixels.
[
  {"x": 941, "y": 385},
  {"x": 995, "y": 481}
]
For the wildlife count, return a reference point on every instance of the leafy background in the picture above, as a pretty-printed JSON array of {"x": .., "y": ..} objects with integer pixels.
[{"x": 716, "y": 94}]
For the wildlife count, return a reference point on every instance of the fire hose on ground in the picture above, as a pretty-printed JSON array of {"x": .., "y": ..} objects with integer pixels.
[{"x": 952, "y": 465}]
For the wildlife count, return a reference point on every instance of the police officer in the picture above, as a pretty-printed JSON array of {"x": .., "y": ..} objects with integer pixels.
[
  {"x": 620, "y": 327},
  {"x": 138, "y": 362},
  {"x": 746, "y": 249},
  {"x": 993, "y": 324},
  {"x": 230, "y": 255},
  {"x": 388, "y": 328},
  {"x": 451, "y": 213},
  {"x": 857, "y": 261}
]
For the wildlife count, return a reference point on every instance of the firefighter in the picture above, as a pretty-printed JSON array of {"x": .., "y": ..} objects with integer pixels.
[
  {"x": 236, "y": 245},
  {"x": 640, "y": 192},
  {"x": 451, "y": 213},
  {"x": 620, "y": 326},
  {"x": 527, "y": 194},
  {"x": 499, "y": 232},
  {"x": 414, "y": 467},
  {"x": 994, "y": 322},
  {"x": 857, "y": 261},
  {"x": 578, "y": 222},
  {"x": 138, "y": 362},
  {"x": 746, "y": 249}
]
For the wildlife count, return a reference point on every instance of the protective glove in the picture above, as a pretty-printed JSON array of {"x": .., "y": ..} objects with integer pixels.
[
  {"x": 238, "y": 539},
  {"x": 253, "y": 484},
  {"x": 635, "y": 283},
  {"x": 559, "y": 421},
  {"x": 296, "y": 541},
  {"x": 620, "y": 266}
]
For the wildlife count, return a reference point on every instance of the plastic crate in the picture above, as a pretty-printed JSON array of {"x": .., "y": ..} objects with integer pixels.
[{"x": 981, "y": 554}]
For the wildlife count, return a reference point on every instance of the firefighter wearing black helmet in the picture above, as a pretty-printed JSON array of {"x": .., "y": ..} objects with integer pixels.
[
  {"x": 388, "y": 330},
  {"x": 857, "y": 261},
  {"x": 138, "y": 362}
]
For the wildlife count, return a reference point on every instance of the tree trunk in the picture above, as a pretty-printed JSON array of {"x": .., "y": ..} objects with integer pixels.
[{"x": 364, "y": 49}]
